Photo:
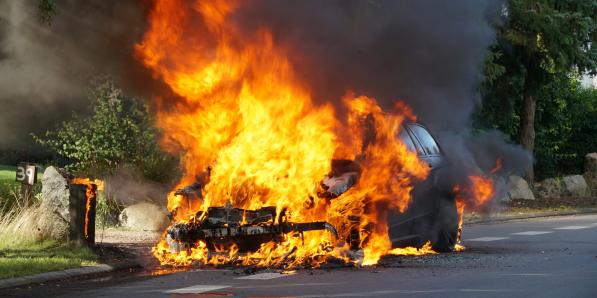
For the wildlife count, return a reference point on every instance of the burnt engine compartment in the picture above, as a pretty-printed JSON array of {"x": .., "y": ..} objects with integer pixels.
[
  {"x": 222, "y": 227},
  {"x": 247, "y": 229}
]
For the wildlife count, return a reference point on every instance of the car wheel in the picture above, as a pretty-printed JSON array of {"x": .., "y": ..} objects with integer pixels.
[{"x": 445, "y": 229}]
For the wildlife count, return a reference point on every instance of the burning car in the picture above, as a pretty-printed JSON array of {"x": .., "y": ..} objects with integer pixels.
[
  {"x": 270, "y": 175},
  {"x": 431, "y": 216}
]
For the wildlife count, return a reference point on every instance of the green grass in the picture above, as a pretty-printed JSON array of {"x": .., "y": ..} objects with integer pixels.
[
  {"x": 7, "y": 172},
  {"x": 38, "y": 257},
  {"x": 7, "y": 177},
  {"x": 9, "y": 188},
  {"x": 23, "y": 250}
]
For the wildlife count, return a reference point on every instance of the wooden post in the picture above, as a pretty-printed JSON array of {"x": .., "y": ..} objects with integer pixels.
[{"x": 82, "y": 218}]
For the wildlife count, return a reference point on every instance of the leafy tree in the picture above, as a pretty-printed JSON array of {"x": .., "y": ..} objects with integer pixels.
[
  {"x": 46, "y": 10},
  {"x": 565, "y": 124},
  {"x": 118, "y": 132},
  {"x": 538, "y": 40}
]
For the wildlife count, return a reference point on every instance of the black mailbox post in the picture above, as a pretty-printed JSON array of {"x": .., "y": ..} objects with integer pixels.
[{"x": 82, "y": 206}]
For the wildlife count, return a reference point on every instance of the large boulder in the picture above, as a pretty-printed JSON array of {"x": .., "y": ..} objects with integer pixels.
[
  {"x": 548, "y": 188},
  {"x": 55, "y": 201},
  {"x": 519, "y": 189},
  {"x": 574, "y": 186},
  {"x": 591, "y": 180},
  {"x": 144, "y": 217}
]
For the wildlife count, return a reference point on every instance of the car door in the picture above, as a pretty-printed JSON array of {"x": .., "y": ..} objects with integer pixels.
[{"x": 410, "y": 227}]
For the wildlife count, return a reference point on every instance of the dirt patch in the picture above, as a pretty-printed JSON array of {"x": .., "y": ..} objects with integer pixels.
[
  {"x": 516, "y": 209},
  {"x": 118, "y": 244}
]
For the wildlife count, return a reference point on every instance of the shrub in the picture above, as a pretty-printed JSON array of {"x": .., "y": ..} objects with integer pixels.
[{"x": 118, "y": 132}]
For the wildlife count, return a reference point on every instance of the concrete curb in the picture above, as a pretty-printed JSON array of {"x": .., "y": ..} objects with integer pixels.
[
  {"x": 498, "y": 218},
  {"x": 64, "y": 274}
]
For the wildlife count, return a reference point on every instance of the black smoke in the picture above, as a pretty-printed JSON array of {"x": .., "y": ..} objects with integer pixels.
[
  {"x": 45, "y": 69},
  {"x": 427, "y": 53}
]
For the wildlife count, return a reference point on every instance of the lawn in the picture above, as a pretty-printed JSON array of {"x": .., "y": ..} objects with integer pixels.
[
  {"x": 18, "y": 256},
  {"x": 7, "y": 172},
  {"x": 38, "y": 257},
  {"x": 7, "y": 175},
  {"x": 9, "y": 188}
]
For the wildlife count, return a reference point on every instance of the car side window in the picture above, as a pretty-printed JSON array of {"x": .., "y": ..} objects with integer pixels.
[
  {"x": 426, "y": 140},
  {"x": 405, "y": 138}
]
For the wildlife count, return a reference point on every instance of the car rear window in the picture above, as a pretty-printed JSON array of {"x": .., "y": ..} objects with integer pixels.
[{"x": 426, "y": 139}]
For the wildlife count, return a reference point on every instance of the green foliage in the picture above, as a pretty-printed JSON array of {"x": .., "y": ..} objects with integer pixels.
[
  {"x": 107, "y": 210},
  {"x": 541, "y": 47},
  {"x": 502, "y": 92},
  {"x": 119, "y": 132},
  {"x": 552, "y": 36},
  {"x": 46, "y": 10},
  {"x": 566, "y": 127}
]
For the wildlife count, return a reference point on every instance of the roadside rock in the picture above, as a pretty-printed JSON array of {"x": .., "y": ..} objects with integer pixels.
[
  {"x": 548, "y": 188},
  {"x": 144, "y": 217},
  {"x": 519, "y": 189},
  {"x": 55, "y": 201},
  {"x": 591, "y": 172},
  {"x": 574, "y": 186},
  {"x": 591, "y": 179},
  {"x": 591, "y": 162}
]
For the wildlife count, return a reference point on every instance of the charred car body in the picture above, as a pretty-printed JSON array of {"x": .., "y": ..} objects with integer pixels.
[{"x": 431, "y": 215}]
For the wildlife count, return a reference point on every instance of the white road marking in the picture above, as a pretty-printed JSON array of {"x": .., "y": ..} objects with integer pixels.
[
  {"x": 261, "y": 276},
  {"x": 394, "y": 292},
  {"x": 527, "y": 274},
  {"x": 487, "y": 239},
  {"x": 571, "y": 228},
  {"x": 315, "y": 284},
  {"x": 196, "y": 289},
  {"x": 531, "y": 233}
]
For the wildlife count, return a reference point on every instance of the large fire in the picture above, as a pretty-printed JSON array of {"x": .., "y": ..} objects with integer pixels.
[{"x": 243, "y": 117}]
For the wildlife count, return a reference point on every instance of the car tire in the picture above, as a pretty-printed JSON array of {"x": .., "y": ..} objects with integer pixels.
[{"x": 445, "y": 229}]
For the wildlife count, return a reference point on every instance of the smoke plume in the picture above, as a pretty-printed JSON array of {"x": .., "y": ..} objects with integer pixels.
[
  {"x": 427, "y": 53},
  {"x": 45, "y": 69}
]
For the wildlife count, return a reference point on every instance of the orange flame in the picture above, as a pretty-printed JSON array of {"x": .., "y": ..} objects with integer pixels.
[
  {"x": 242, "y": 112},
  {"x": 413, "y": 251},
  {"x": 479, "y": 192},
  {"x": 460, "y": 208}
]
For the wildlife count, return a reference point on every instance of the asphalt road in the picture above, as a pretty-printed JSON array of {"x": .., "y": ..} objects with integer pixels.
[{"x": 547, "y": 257}]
